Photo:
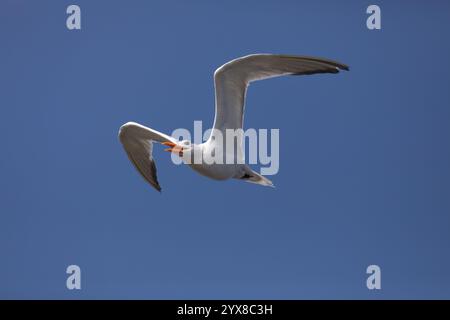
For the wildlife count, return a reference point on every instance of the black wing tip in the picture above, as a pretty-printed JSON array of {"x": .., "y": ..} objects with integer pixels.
[
  {"x": 332, "y": 63},
  {"x": 307, "y": 73},
  {"x": 157, "y": 187},
  {"x": 331, "y": 70}
]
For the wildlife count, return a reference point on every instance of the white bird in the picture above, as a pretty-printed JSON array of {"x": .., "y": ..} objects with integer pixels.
[{"x": 231, "y": 81}]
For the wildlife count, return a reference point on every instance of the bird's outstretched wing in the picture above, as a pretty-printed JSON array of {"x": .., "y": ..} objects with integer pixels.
[
  {"x": 138, "y": 143},
  {"x": 231, "y": 81}
]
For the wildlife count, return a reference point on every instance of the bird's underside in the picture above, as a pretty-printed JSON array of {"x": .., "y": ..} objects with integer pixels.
[{"x": 231, "y": 81}]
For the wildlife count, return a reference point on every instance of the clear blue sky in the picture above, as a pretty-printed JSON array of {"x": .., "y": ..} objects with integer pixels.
[{"x": 364, "y": 165}]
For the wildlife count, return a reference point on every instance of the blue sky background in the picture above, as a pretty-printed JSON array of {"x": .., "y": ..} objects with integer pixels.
[{"x": 364, "y": 157}]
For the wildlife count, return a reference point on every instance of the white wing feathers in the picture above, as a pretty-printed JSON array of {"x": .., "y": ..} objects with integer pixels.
[
  {"x": 137, "y": 141},
  {"x": 231, "y": 80}
]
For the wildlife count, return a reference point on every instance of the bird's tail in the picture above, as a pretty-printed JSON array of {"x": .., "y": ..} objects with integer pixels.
[{"x": 253, "y": 177}]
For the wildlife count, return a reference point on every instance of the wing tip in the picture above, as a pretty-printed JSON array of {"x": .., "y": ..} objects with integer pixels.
[
  {"x": 156, "y": 186},
  {"x": 335, "y": 69}
]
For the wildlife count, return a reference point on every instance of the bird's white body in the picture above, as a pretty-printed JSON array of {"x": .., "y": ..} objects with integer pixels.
[
  {"x": 231, "y": 81},
  {"x": 219, "y": 171}
]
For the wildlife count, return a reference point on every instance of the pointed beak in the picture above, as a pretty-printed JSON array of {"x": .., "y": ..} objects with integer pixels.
[
  {"x": 173, "y": 148},
  {"x": 169, "y": 144}
]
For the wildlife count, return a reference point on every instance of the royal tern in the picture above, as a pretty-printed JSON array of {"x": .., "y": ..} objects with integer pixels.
[{"x": 231, "y": 81}]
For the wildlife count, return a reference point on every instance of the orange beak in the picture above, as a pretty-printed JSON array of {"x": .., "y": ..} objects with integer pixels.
[{"x": 173, "y": 148}]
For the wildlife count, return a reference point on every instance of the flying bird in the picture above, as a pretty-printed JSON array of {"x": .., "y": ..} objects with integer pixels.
[{"x": 231, "y": 81}]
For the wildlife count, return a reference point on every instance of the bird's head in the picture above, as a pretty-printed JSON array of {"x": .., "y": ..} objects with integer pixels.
[{"x": 183, "y": 148}]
